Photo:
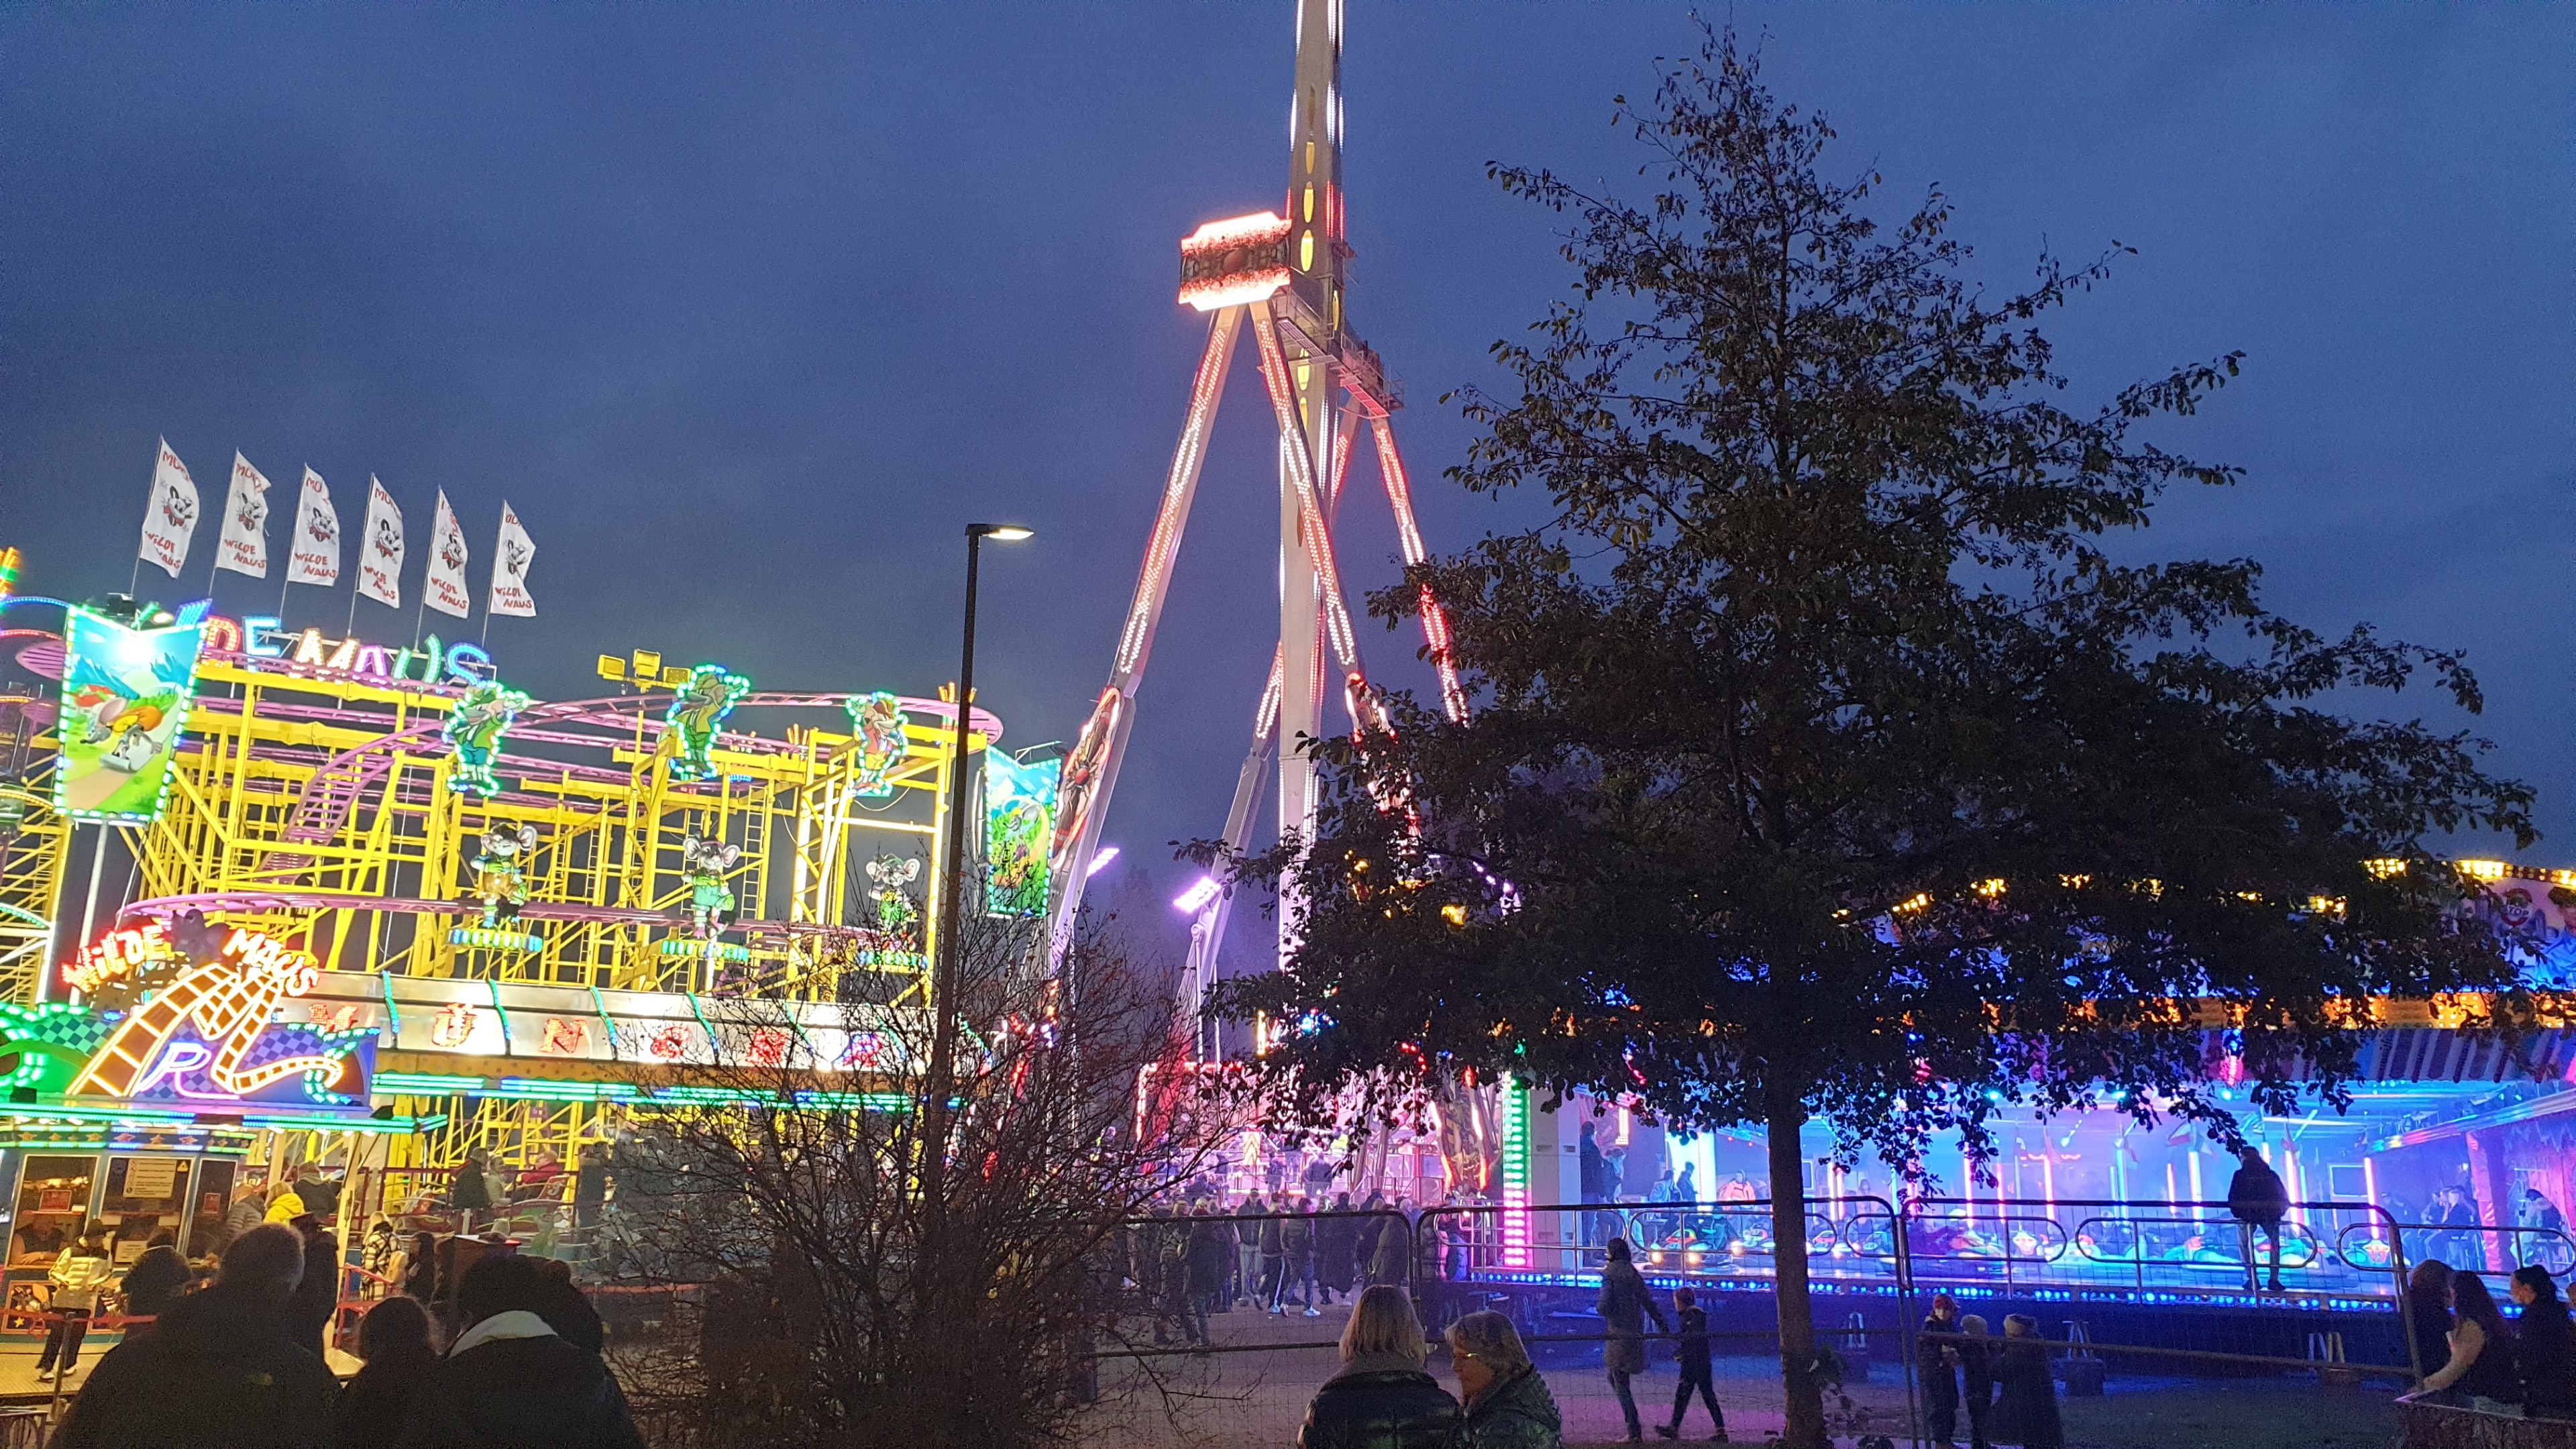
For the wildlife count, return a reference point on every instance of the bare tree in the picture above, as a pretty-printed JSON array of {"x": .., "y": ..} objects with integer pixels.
[{"x": 833, "y": 1306}]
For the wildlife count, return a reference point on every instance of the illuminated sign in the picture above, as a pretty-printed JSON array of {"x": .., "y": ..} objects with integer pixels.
[
  {"x": 214, "y": 1034},
  {"x": 119, "y": 956},
  {"x": 1237, "y": 260},
  {"x": 1019, "y": 829},
  {"x": 125, "y": 696},
  {"x": 261, "y": 636}
]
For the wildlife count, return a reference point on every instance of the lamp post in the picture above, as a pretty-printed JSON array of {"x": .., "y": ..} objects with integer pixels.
[{"x": 943, "y": 966}]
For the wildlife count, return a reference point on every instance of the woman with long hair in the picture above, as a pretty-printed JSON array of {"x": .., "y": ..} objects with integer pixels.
[
  {"x": 2544, "y": 1347},
  {"x": 1382, "y": 1398},
  {"x": 2480, "y": 1370},
  {"x": 2428, "y": 1311},
  {"x": 400, "y": 1348}
]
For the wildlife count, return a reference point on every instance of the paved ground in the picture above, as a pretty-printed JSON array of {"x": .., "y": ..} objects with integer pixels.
[{"x": 1255, "y": 1398}]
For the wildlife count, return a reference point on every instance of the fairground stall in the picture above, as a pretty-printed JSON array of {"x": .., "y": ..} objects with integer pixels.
[{"x": 270, "y": 898}]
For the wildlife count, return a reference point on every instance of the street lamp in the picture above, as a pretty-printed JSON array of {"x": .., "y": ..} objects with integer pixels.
[{"x": 943, "y": 969}]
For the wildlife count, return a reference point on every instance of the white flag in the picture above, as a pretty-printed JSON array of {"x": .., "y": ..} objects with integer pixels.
[
  {"x": 380, "y": 553},
  {"x": 313, "y": 554},
  {"x": 444, "y": 588},
  {"x": 170, "y": 518},
  {"x": 510, "y": 560},
  {"x": 243, "y": 548}
]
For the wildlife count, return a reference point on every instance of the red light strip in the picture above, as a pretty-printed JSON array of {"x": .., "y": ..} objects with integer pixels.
[
  {"x": 1166, "y": 539},
  {"x": 1435, "y": 620},
  {"x": 1301, "y": 476}
]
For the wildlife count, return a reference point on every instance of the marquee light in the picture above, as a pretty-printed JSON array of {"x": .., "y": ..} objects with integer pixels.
[{"x": 1231, "y": 262}]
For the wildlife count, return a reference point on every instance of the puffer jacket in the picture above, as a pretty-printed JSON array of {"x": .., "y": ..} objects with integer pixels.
[
  {"x": 1518, "y": 1413},
  {"x": 1380, "y": 1401}
]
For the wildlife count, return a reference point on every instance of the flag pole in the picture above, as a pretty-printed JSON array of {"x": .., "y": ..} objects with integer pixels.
[{"x": 352, "y": 630}]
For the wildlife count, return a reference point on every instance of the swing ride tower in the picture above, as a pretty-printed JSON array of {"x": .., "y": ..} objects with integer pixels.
[{"x": 1283, "y": 280}]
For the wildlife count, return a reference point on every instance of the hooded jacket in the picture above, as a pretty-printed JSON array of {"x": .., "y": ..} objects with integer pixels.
[
  {"x": 219, "y": 1369},
  {"x": 528, "y": 1390}
]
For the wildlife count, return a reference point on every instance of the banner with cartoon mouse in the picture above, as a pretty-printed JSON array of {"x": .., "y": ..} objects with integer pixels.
[{"x": 125, "y": 697}]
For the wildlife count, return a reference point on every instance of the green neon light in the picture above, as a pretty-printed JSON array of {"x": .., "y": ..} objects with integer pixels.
[
  {"x": 677, "y": 946},
  {"x": 538, "y": 1089},
  {"x": 379, "y": 1126},
  {"x": 430, "y": 1082},
  {"x": 713, "y": 1096},
  {"x": 484, "y": 938},
  {"x": 864, "y": 1101}
]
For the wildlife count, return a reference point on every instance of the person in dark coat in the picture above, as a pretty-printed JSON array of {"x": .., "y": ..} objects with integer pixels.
[
  {"x": 2544, "y": 1358},
  {"x": 1590, "y": 1171},
  {"x": 1381, "y": 1398},
  {"x": 1364, "y": 1237},
  {"x": 398, "y": 1343},
  {"x": 467, "y": 1191},
  {"x": 1274, "y": 1261},
  {"x": 1977, "y": 1379},
  {"x": 1508, "y": 1405},
  {"x": 157, "y": 1278},
  {"x": 1211, "y": 1262},
  {"x": 1624, "y": 1306},
  {"x": 2028, "y": 1413},
  {"x": 316, "y": 1299},
  {"x": 1938, "y": 1359},
  {"x": 2257, "y": 1200},
  {"x": 1297, "y": 1252},
  {"x": 511, "y": 1381},
  {"x": 1691, "y": 1358},
  {"x": 321, "y": 1194},
  {"x": 220, "y": 1368},
  {"x": 1336, "y": 1239},
  {"x": 420, "y": 1268},
  {"x": 2428, "y": 1312},
  {"x": 566, "y": 1309}
]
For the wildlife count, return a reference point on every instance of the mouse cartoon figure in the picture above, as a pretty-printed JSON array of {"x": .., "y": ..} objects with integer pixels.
[
  {"x": 501, "y": 872},
  {"x": 703, "y": 864}
]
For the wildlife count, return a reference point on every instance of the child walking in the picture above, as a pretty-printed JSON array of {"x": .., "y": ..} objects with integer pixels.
[{"x": 1692, "y": 1321}]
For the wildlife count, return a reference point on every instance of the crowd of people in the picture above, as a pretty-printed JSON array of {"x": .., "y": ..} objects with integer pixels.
[
  {"x": 2525, "y": 1368},
  {"x": 1298, "y": 1255},
  {"x": 2001, "y": 1388},
  {"x": 240, "y": 1359}
]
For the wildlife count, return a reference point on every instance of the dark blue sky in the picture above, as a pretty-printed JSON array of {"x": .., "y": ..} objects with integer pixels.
[{"x": 748, "y": 312}]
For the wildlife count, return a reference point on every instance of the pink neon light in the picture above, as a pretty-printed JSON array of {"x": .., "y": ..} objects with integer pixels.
[
  {"x": 1176, "y": 488},
  {"x": 1435, "y": 620},
  {"x": 1301, "y": 474},
  {"x": 1265, "y": 715},
  {"x": 1196, "y": 898}
]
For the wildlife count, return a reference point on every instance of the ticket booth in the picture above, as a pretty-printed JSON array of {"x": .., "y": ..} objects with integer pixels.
[{"x": 133, "y": 1181}]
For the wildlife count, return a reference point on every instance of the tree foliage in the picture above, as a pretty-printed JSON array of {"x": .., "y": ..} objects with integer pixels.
[{"x": 1830, "y": 761}]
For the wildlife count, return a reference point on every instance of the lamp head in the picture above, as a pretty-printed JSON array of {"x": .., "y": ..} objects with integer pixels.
[{"x": 1000, "y": 532}]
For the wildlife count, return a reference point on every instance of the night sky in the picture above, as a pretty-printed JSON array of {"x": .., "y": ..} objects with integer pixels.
[{"x": 748, "y": 313}]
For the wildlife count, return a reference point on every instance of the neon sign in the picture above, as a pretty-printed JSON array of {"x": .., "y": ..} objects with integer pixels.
[
  {"x": 119, "y": 956},
  {"x": 211, "y": 1034},
  {"x": 263, "y": 636}
]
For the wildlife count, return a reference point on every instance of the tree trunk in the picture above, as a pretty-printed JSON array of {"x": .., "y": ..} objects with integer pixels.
[{"x": 1805, "y": 1425}]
